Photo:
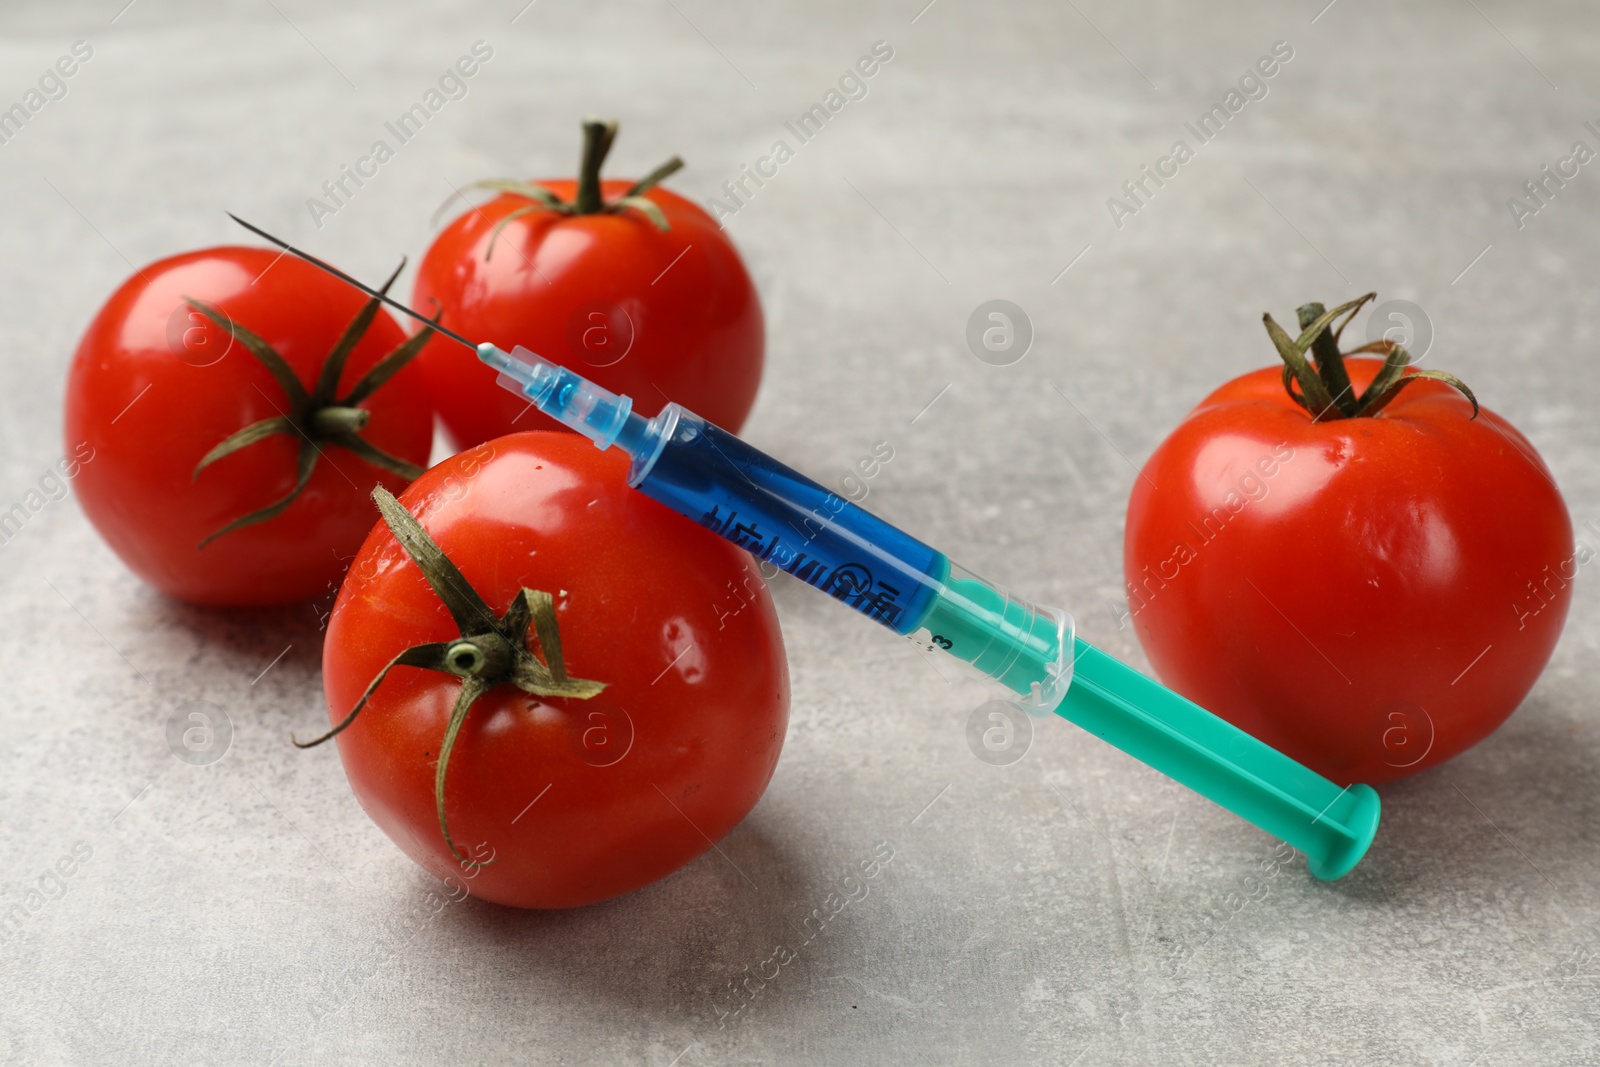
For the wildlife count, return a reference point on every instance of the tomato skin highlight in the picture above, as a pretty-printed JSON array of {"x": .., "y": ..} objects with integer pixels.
[
  {"x": 150, "y": 414},
  {"x": 1361, "y": 600},
  {"x": 680, "y": 303},
  {"x": 676, "y": 621}
]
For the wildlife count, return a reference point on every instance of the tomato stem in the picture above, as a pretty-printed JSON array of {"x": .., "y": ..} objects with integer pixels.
[
  {"x": 597, "y": 139},
  {"x": 1330, "y": 365},
  {"x": 491, "y": 650},
  {"x": 335, "y": 419},
  {"x": 1325, "y": 389}
]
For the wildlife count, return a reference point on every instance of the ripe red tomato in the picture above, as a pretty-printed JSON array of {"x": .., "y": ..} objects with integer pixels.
[
  {"x": 1371, "y": 595},
  {"x": 156, "y": 384},
  {"x": 575, "y": 800},
  {"x": 656, "y": 315}
]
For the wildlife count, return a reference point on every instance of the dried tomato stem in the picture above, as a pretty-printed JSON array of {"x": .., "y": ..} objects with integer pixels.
[
  {"x": 1330, "y": 364},
  {"x": 1325, "y": 389}
]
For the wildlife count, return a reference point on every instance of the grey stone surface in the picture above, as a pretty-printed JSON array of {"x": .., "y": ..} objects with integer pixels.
[{"x": 247, "y": 911}]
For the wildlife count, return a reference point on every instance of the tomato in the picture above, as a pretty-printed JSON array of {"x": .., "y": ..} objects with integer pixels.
[
  {"x": 1371, "y": 595},
  {"x": 570, "y": 800},
  {"x": 652, "y": 313},
  {"x": 159, "y": 382}
]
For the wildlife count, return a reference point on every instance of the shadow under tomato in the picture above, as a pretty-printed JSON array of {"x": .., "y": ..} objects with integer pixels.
[
  {"x": 679, "y": 948},
  {"x": 255, "y": 636},
  {"x": 1514, "y": 811}
]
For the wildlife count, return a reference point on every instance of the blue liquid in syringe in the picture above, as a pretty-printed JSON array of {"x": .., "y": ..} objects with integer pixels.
[{"x": 784, "y": 518}]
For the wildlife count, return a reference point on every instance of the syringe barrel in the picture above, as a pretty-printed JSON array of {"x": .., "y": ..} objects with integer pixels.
[{"x": 789, "y": 521}]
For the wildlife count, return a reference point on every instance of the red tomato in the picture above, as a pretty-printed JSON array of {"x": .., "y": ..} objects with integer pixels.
[
  {"x": 654, "y": 315},
  {"x": 575, "y": 800},
  {"x": 1370, "y": 595},
  {"x": 155, "y": 385}
]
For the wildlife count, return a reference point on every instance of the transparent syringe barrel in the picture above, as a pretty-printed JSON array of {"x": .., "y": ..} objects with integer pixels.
[{"x": 786, "y": 519}]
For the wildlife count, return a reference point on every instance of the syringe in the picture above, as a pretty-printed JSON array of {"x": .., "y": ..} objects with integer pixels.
[{"x": 784, "y": 518}]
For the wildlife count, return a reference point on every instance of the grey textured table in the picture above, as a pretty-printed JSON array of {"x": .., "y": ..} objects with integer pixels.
[{"x": 247, "y": 911}]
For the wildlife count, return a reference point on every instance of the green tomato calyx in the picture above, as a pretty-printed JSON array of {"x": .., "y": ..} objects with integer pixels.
[
  {"x": 1325, "y": 390},
  {"x": 597, "y": 139},
  {"x": 316, "y": 416}
]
